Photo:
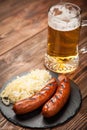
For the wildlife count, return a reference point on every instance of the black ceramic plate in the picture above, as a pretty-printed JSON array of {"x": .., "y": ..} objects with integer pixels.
[{"x": 35, "y": 118}]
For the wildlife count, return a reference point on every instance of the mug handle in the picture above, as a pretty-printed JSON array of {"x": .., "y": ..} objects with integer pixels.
[
  {"x": 84, "y": 49},
  {"x": 84, "y": 23}
]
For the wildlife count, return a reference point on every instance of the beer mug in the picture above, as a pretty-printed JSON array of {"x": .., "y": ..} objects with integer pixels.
[{"x": 64, "y": 24}]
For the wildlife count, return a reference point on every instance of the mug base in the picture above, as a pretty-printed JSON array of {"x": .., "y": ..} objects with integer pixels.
[{"x": 61, "y": 64}]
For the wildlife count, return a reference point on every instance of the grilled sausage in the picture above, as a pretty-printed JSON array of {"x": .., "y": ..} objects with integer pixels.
[
  {"x": 56, "y": 103},
  {"x": 34, "y": 102}
]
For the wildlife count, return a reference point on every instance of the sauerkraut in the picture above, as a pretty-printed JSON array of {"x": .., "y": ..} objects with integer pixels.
[{"x": 24, "y": 86}]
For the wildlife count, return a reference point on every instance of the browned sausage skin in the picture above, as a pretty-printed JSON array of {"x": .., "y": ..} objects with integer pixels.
[
  {"x": 34, "y": 102},
  {"x": 56, "y": 103}
]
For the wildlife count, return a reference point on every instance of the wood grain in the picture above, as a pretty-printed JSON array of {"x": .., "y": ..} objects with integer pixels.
[
  {"x": 17, "y": 27},
  {"x": 24, "y": 57},
  {"x": 23, "y": 39}
]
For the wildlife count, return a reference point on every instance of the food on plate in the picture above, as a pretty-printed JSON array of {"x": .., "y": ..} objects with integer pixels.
[
  {"x": 34, "y": 102},
  {"x": 59, "y": 99},
  {"x": 37, "y": 89},
  {"x": 25, "y": 86}
]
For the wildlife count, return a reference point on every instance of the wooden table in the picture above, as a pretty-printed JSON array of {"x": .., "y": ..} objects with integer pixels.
[{"x": 23, "y": 39}]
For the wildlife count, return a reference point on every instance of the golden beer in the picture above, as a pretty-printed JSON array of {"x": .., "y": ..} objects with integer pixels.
[
  {"x": 63, "y": 38},
  {"x": 63, "y": 44}
]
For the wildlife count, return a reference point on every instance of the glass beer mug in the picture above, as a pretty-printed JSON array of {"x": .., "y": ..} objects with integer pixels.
[{"x": 64, "y": 24}]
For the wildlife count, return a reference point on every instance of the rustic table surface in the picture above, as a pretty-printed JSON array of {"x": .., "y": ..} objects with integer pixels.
[{"x": 23, "y": 39}]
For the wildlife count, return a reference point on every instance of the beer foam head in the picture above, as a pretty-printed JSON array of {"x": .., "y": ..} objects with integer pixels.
[{"x": 64, "y": 17}]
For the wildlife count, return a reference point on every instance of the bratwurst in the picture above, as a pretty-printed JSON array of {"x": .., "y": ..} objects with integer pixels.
[
  {"x": 56, "y": 103},
  {"x": 34, "y": 102}
]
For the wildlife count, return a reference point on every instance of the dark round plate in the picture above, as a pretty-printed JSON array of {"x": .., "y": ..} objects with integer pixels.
[{"x": 36, "y": 120}]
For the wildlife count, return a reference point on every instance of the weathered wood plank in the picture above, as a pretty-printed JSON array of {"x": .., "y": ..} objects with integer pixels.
[
  {"x": 23, "y": 24},
  {"x": 10, "y": 7},
  {"x": 27, "y": 56}
]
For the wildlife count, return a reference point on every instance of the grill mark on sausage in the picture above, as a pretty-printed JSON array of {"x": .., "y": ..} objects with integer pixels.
[
  {"x": 50, "y": 84},
  {"x": 60, "y": 91},
  {"x": 52, "y": 100},
  {"x": 62, "y": 85},
  {"x": 32, "y": 98},
  {"x": 56, "y": 96},
  {"x": 47, "y": 105},
  {"x": 41, "y": 93},
  {"x": 65, "y": 80},
  {"x": 46, "y": 88}
]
